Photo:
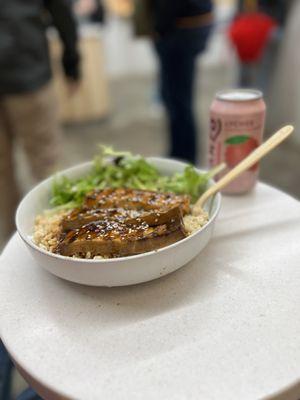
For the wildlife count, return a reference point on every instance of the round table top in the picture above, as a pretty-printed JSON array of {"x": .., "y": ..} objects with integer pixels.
[{"x": 226, "y": 326}]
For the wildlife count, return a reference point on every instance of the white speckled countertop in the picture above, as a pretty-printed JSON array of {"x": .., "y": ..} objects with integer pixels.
[{"x": 226, "y": 326}]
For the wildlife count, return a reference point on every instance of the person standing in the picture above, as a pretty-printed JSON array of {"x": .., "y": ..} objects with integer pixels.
[
  {"x": 259, "y": 73},
  {"x": 181, "y": 30},
  {"x": 28, "y": 111}
]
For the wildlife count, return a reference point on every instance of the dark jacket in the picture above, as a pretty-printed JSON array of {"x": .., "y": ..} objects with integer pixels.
[
  {"x": 167, "y": 12},
  {"x": 24, "y": 55}
]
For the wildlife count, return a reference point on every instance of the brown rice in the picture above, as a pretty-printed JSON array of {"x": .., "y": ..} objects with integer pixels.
[{"x": 46, "y": 230}]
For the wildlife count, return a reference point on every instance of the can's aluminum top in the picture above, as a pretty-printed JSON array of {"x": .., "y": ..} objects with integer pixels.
[{"x": 239, "y": 95}]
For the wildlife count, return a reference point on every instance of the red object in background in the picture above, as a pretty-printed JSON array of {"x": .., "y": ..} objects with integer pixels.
[{"x": 249, "y": 33}]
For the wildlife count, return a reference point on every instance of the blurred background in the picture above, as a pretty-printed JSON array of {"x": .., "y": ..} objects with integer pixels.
[
  {"x": 106, "y": 86},
  {"x": 77, "y": 73}
]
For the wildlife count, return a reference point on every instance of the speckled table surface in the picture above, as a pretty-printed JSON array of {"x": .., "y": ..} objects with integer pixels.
[{"x": 225, "y": 326}]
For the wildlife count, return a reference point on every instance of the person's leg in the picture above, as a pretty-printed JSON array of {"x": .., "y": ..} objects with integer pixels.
[
  {"x": 163, "y": 81},
  {"x": 182, "y": 120},
  {"x": 35, "y": 121},
  {"x": 8, "y": 186},
  {"x": 177, "y": 67},
  {"x": 29, "y": 394},
  {"x": 33, "y": 118}
]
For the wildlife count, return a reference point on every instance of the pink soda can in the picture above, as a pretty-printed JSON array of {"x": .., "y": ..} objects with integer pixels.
[{"x": 237, "y": 120}]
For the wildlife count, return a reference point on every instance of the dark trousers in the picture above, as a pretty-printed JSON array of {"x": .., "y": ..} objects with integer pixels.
[{"x": 177, "y": 53}]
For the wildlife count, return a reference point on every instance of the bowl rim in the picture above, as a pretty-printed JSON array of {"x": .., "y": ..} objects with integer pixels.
[{"x": 28, "y": 240}]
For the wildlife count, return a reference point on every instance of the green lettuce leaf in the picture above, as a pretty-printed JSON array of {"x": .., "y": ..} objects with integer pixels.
[{"x": 122, "y": 169}]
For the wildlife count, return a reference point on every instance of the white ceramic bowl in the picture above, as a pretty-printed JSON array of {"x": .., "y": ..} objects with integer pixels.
[{"x": 118, "y": 271}]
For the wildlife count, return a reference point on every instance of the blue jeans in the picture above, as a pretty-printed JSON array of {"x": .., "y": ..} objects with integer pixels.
[{"x": 177, "y": 53}]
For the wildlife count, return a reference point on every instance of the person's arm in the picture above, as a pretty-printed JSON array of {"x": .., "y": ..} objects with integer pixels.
[{"x": 63, "y": 20}]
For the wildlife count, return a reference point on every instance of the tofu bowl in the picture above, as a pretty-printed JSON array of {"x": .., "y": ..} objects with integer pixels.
[{"x": 118, "y": 271}]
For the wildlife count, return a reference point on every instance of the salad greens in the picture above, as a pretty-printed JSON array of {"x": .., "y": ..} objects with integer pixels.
[{"x": 122, "y": 169}]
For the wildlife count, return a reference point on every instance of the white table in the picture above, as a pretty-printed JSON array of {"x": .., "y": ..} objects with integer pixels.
[{"x": 226, "y": 326}]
